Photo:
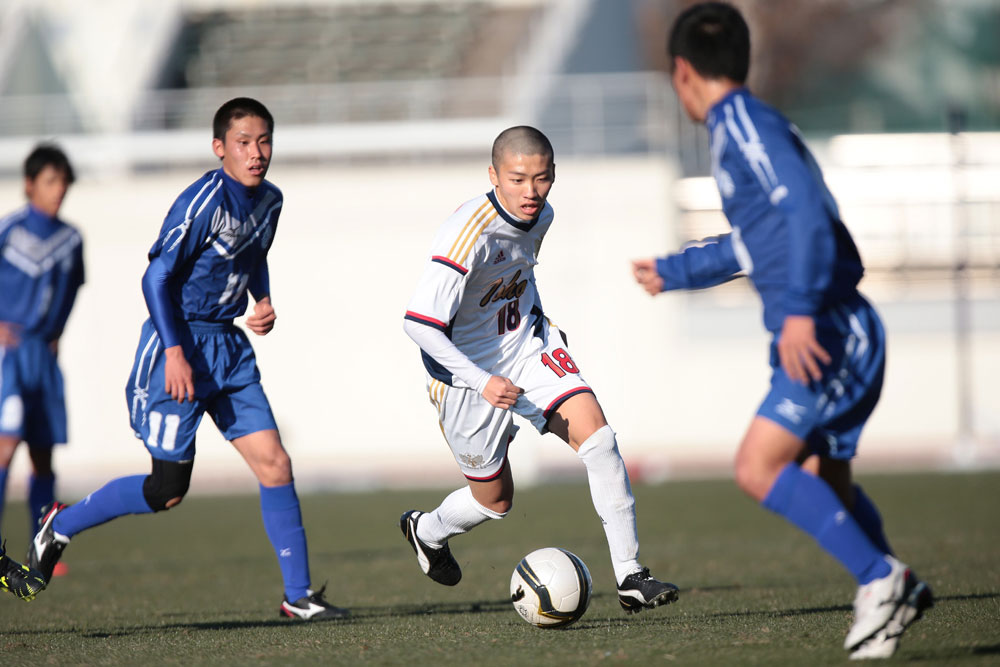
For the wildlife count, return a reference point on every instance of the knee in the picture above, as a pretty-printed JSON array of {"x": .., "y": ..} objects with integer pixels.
[
  {"x": 7, "y": 447},
  {"x": 500, "y": 507},
  {"x": 749, "y": 477},
  {"x": 275, "y": 469},
  {"x": 167, "y": 484},
  {"x": 598, "y": 445}
]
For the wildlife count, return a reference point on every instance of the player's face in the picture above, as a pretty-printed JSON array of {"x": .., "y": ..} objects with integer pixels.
[
  {"x": 47, "y": 190},
  {"x": 246, "y": 152},
  {"x": 523, "y": 182}
]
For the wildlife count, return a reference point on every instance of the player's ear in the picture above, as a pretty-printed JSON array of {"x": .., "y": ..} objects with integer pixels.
[
  {"x": 494, "y": 179},
  {"x": 682, "y": 69},
  {"x": 219, "y": 148}
]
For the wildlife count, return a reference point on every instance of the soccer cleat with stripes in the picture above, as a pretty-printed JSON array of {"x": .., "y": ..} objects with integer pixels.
[
  {"x": 312, "y": 607},
  {"x": 641, "y": 591},
  {"x": 22, "y": 582},
  {"x": 438, "y": 564},
  {"x": 48, "y": 545}
]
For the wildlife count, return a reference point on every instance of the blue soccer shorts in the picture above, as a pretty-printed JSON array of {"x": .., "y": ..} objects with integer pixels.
[
  {"x": 32, "y": 405},
  {"x": 226, "y": 386},
  {"x": 829, "y": 414}
]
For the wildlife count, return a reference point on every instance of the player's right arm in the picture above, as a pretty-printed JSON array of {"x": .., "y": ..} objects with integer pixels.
[
  {"x": 178, "y": 242},
  {"x": 711, "y": 263},
  {"x": 437, "y": 299},
  {"x": 499, "y": 391},
  {"x": 179, "y": 378},
  {"x": 9, "y": 334}
]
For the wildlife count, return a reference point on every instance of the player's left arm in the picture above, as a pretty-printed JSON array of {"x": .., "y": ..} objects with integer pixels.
[
  {"x": 262, "y": 320},
  {"x": 795, "y": 191},
  {"x": 72, "y": 287}
]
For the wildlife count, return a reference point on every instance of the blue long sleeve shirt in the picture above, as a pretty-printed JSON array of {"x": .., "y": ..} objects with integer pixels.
[
  {"x": 787, "y": 235},
  {"x": 212, "y": 247}
]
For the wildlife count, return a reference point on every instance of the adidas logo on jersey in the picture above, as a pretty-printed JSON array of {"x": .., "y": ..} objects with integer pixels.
[{"x": 500, "y": 257}]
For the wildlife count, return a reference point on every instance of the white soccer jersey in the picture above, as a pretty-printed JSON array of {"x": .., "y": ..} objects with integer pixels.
[{"x": 478, "y": 287}]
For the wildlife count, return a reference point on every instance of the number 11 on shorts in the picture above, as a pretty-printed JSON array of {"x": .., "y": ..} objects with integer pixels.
[{"x": 563, "y": 362}]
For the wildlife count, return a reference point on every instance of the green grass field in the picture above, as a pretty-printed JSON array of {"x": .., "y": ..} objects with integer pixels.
[{"x": 200, "y": 585}]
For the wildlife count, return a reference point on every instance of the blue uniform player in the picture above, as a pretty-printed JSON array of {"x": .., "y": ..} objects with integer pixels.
[
  {"x": 828, "y": 349},
  {"x": 191, "y": 358},
  {"x": 41, "y": 269}
]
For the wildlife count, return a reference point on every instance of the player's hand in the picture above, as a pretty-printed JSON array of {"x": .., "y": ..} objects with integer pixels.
[
  {"x": 501, "y": 392},
  {"x": 179, "y": 377},
  {"x": 645, "y": 274},
  {"x": 54, "y": 347},
  {"x": 8, "y": 334},
  {"x": 262, "y": 320},
  {"x": 799, "y": 351}
]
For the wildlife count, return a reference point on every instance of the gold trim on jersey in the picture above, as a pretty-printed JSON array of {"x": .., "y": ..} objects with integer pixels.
[
  {"x": 466, "y": 239},
  {"x": 436, "y": 390}
]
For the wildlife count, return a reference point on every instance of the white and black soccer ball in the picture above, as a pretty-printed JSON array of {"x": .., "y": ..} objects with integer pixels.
[{"x": 551, "y": 588}]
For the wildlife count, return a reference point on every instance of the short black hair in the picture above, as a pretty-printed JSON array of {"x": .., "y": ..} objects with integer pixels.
[
  {"x": 236, "y": 108},
  {"x": 714, "y": 38},
  {"x": 522, "y": 139},
  {"x": 48, "y": 155}
]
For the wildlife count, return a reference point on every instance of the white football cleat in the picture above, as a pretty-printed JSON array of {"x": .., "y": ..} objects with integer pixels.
[
  {"x": 884, "y": 642},
  {"x": 876, "y": 602}
]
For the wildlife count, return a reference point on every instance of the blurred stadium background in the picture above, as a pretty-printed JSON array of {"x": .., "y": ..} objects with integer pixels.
[{"x": 385, "y": 112}]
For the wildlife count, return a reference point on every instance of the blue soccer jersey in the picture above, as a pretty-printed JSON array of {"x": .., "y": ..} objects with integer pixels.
[
  {"x": 211, "y": 249},
  {"x": 788, "y": 239},
  {"x": 41, "y": 269},
  {"x": 786, "y": 230},
  {"x": 214, "y": 242}
]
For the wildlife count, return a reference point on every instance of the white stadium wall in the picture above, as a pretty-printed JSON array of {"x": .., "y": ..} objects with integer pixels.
[{"x": 679, "y": 376}]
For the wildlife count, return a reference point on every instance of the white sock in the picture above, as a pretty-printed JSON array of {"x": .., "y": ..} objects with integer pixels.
[
  {"x": 458, "y": 513},
  {"x": 613, "y": 500}
]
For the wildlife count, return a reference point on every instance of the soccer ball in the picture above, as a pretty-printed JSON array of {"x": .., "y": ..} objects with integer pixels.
[{"x": 550, "y": 588}]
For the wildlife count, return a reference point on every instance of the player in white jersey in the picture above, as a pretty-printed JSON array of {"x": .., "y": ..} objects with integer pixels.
[{"x": 490, "y": 351}]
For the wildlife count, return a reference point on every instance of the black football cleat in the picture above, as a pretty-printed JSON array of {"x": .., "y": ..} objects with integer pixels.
[
  {"x": 641, "y": 591},
  {"x": 313, "y": 607},
  {"x": 438, "y": 564},
  {"x": 47, "y": 547},
  {"x": 20, "y": 580}
]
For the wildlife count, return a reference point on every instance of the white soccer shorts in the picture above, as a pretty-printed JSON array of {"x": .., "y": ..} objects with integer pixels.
[{"x": 479, "y": 433}]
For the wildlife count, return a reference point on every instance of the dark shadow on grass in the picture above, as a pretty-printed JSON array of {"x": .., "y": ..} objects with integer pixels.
[
  {"x": 360, "y": 615},
  {"x": 969, "y": 596},
  {"x": 446, "y": 608},
  {"x": 947, "y": 654},
  {"x": 986, "y": 650}
]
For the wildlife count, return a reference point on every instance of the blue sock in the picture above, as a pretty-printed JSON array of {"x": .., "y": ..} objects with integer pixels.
[
  {"x": 116, "y": 498},
  {"x": 3, "y": 493},
  {"x": 41, "y": 492},
  {"x": 810, "y": 503},
  {"x": 867, "y": 516},
  {"x": 279, "y": 507}
]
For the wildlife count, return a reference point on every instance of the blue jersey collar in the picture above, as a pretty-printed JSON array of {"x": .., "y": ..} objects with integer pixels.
[
  {"x": 716, "y": 110},
  {"x": 242, "y": 193},
  {"x": 36, "y": 214},
  {"x": 523, "y": 225}
]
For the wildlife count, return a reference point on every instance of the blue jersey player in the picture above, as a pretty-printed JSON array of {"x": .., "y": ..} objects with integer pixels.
[
  {"x": 828, "y": 348},
  {"x": 191, "y": 358},
  {"x": 41, "y": 269}
]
